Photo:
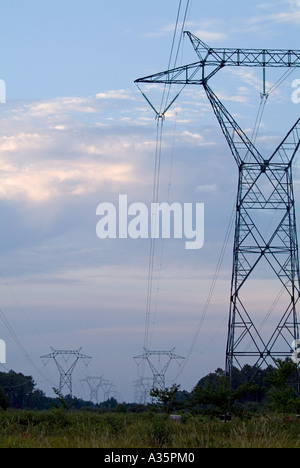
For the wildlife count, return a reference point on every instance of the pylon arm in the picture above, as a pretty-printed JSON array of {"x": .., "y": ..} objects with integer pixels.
[
  {"x": 218, "y": 58},
  {"x": 188, "y": 74},
  {"x": 244, "y": 57}
]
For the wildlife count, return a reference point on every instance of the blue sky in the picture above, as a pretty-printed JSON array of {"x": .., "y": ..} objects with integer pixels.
[{"x": 75, "y": 132}]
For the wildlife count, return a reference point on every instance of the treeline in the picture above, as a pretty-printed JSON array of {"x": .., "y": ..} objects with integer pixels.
[
  {"x": 252, "y": 389},
  {"x": 19, "y": 392}
]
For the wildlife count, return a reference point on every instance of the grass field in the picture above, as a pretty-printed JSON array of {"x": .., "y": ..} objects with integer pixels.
[{"x": 59, "y": 429}]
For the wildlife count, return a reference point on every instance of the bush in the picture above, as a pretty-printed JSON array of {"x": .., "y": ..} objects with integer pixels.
[{"x": 159, "y": 432}]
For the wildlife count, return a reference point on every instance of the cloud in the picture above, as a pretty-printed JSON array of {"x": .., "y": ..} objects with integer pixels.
[
  {"x": 210, "y": 36},
  {"x": 120, "y": 94},
  {"x": 39, "y": 183},
  {"x": 194, "y": 139},
  {"x": 76, "y": 147},
  {"x": 61, "y": 106},
  {"x": 286, "y": 17},
  {"x": 290, "y": 14},
  {"x": 210, "y": 30},
  {"x": 63, "y": 147}
]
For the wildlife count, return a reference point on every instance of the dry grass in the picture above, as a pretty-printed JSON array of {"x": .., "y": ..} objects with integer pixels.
[{"x": 55, "y": 429}]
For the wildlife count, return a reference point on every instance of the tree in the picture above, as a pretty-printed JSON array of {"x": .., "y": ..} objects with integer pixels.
[
  {"x": 17, "y": 387},
  {"x": 3, "y": 400},
  {"x": 166, "y": 398},
  {"x": 282, "y": 392},
  {"x": 65, "y": 403},
  {"x": 214, "y": 390},
  {"x": 38, "y": 400}
]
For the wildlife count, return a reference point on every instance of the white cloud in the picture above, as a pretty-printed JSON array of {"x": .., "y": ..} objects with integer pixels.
[
  {"x": 120, "y": 94},
  {"x": 286, "y": 17},
  {"x": 61, "y": 106},
  {"x": 40, "y": 183},
  {"x": 210, "y": 30},
  {"x": 194, "y": 139},
  {"x": 290, "y": 14},
  {"x": 66, "y": 154},
  {"x": 210, "y": 36}
]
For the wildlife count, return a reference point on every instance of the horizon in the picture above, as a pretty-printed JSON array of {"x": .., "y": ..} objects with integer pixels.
[{"x": 76, "y": 132}]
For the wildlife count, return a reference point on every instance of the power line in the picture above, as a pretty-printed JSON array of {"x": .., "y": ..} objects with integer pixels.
[
  {"x": 20, "y": 345},
  {"x": 210, "y": 293},
  {"x": 181, "y": 36},
  {"x": 13, "y": 334},
  {"x": 157, "y": 168}
]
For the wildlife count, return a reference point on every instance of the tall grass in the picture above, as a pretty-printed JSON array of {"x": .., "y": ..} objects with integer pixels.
[{"x": 59, "y": 429}]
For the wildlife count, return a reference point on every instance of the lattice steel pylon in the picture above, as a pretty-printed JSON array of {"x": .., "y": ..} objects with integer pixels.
[
  {"x": 265, "y": 191},
  {"x": 61, "y": 358},
  {"x": 159, "y": 368},
  {"x": 94, "y": 383}
]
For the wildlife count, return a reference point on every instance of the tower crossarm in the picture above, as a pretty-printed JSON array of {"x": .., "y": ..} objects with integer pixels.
[
  {"x": 214, "y": 59},
  {"x": 244, "y": 57},
  {"x": 187, "y": 74}
]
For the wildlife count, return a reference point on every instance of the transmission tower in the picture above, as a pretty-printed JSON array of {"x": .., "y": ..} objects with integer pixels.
[
  {"x": 265, "y": 191},
  {"x": 66, "y": 361},
  {"x": 143, "y": 386},
  {"x": 94, "y": 384},
  {"x": 159, "y": 363},
  {"x": 109, "y": 390}
]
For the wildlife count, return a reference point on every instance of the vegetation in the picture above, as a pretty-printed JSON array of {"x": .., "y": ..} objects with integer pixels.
[
  {"x": 262, "y": 415},
  {"x": 59, "y": 429},
  {"x": 167, "y": 398}
]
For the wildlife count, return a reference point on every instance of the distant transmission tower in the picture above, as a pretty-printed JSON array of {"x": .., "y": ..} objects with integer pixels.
[
  {"x": 159, "y": 363},
  {"x": 143, "y": 386},
  {"x": 94, "y": 384},
  {"x": 109, "y": 390},
  {"x": 265, "y": 192},
  {"x": 66, "y": 361}
]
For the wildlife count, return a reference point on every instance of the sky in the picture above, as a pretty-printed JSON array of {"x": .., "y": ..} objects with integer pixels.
[{"x": 76, "y": 132}]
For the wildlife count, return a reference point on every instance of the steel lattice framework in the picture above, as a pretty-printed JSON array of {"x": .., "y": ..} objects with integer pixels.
[
  {"x": 66, "y": 361},
  {"x": 265, "y": 191},
  {"x": 94, "y": 383},
  {"x": 158, "y": 368}
]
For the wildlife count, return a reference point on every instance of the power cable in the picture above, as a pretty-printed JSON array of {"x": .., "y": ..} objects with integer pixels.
[
  {"x": 264, "y": 98},
  {"x": 12, "y": 333},
  {"x": 156, "y": 185},
  {"x": 280, "y": 81},
  {"x": 153, "y": 223},
  {"x": 181, "y": 36},
  {"x": 211, "y": 291},
  {"x": 163, "y": 240},
  {"x": 20, "y": 345}
]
